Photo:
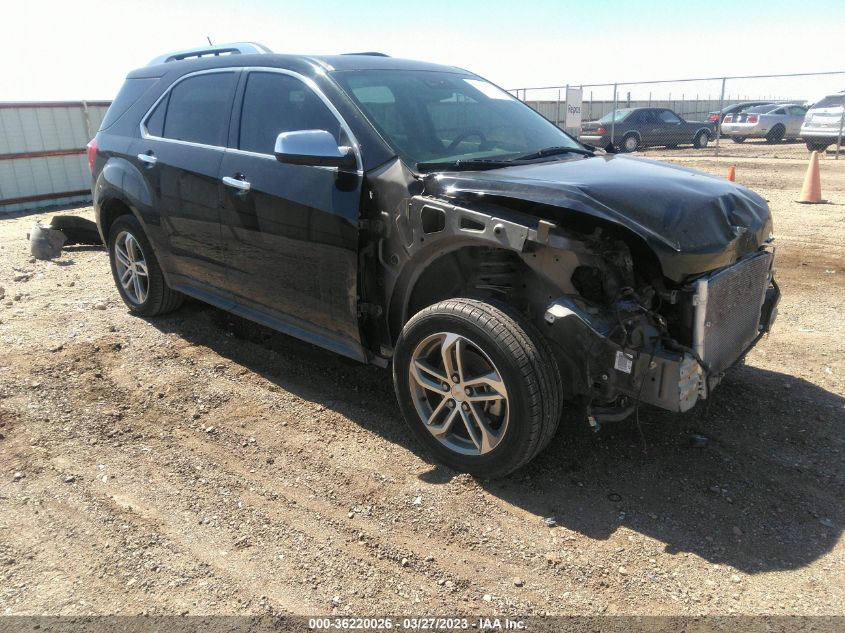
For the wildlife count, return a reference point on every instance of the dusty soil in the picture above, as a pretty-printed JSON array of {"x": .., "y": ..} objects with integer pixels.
[{"x": 200, "y": 464}]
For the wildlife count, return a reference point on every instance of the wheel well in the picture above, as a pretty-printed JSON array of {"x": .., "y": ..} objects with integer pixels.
[
  {"x": 109, "y": 212},
  {"x": 479, "y": 272}
]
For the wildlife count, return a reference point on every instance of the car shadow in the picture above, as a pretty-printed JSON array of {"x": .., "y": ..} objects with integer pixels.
[{"x": 753, "y": 479}]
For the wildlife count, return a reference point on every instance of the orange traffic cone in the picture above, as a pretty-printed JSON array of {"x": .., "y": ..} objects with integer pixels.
[
  {"x": 732, "y": 173},
  {"x": 811, "y": 192}
]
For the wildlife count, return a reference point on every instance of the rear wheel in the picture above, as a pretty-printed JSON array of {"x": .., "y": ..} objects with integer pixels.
[
  {"x": 630, "y": 143},
  {"x": 701, "y": 140},
  {"x": 738, "y": 139},
  {"x": 776, "y": 134},
  {"x": 815, "y": 146},
  {"x": 477, "y": 386},
  {"x": 136, "y": 272}
]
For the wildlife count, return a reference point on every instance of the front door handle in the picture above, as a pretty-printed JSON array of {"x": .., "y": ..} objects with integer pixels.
[
  {"x": 236, "y": 183},
  {"x": 147, "y": 158}
]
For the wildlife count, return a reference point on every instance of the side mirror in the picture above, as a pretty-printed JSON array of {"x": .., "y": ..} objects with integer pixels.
[{"x": 312, "y": 147}]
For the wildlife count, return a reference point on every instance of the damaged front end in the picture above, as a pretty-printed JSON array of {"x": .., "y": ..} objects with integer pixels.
[
  {"x": 664, "y": 347},
  {"x": 646, "y": 281}
]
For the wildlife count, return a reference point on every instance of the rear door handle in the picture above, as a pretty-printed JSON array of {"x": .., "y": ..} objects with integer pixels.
[
  {"x": 236, "y": 183},
  {"x": 147, "y": 158}
]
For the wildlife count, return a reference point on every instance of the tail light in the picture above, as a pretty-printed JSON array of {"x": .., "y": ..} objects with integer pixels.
[
  {"x": 92, "y": 153},
  {"x": 752, "y": 118},
  {"x": 729, "y": 118},
  {"x": 714, "y": 117},
  {"x": 601, "y": 131}
]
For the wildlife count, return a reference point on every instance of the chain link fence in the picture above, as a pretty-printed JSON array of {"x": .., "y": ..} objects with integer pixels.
[{"x": 761, "y": 115}]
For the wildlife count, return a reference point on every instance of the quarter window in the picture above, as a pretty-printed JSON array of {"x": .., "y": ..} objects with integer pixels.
[
  {"x": 275, "y": 103},
  {"x": 198, "y": 109}
]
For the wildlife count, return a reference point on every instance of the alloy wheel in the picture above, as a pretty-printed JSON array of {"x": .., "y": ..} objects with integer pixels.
[
  {"x": 132, "y": 271},
  {"x": 459, "y": 394}
]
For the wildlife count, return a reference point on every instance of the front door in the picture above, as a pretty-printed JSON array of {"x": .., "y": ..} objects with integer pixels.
[
  {"x": 291, "y": 230},
  {"x": 179, "y": 154}
]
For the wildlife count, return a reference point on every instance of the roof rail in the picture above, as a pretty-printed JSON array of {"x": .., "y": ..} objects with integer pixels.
[
  {"x": 235, "y": 48},
  {"x": 370, "y": 53}
]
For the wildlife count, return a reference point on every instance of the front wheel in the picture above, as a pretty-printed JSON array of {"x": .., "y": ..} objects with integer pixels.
[
  {"x": 477, "y": 386},
  {"x": 136, "y": 271}
]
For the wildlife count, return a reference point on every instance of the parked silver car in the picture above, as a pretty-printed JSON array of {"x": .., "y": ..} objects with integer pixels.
[
  {"x": 774, "y": 122},
  {"x": 823, "y": 122}
]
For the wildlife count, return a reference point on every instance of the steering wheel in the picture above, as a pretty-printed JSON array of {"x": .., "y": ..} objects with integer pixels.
[{"x": 465, "y": 135}]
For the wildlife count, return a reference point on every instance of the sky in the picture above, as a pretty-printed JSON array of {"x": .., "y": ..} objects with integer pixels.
[{"x": 82, "y": 49}]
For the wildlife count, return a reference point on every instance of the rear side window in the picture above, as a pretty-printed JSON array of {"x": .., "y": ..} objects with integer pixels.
[
  {"x": 669, "y": 117},
  {"x": 198, "y": 109},
  {"x": 275, "y": 103},
  {"x": 130, "y": 92}
]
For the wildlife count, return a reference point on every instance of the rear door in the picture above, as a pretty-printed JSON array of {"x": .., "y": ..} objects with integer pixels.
[
  {"x": 648, "y": 127},
  {"x": 180, "y": 152},
  {"x": 291, "y": 230}
]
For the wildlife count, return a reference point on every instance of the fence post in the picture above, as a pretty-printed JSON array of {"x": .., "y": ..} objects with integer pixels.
[
  {"x": 841, "y": 124},
  {"x": 557, "y": 116},
  {"x": 719, "y": 124},
  {"x": 87, "y": 116},
  {"x": 613, "y": 116}
]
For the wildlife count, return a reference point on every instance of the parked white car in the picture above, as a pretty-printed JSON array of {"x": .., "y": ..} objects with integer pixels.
[
  {"x": 823, "y": 122},
  {"x": 774, "y": 122}
]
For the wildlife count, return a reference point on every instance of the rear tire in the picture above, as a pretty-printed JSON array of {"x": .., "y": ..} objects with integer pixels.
[
  {"x": 477, "y": 386},
  {"x": 701, "y": 140},
  {"x": 776, "y": 134},
  {"x": 136, "y": 271},
  {"x": 738, "y": 139},
  {"x": 815, "y": 146},
  {"x": 630, "y": 143}
]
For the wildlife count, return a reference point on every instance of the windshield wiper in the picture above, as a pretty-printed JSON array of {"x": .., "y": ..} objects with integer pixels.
[
  {"x": 469, "y": 163},
  {"x": 553, "y": 151}
]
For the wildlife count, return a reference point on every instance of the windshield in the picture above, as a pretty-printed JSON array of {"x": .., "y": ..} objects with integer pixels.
[
  {"x": 445, "y": 117},
  {"x": 620, "y": 114}
]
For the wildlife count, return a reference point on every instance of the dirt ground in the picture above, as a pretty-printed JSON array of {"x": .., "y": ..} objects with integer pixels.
[{"x": 201, "y": 464}]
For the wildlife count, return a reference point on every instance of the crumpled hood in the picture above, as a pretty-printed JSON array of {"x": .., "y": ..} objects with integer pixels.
[{"x": 693, "y": 222}]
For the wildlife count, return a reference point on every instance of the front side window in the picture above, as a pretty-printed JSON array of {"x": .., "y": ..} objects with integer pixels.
[
  {"x": 275, "y": 103},
  {"x": 432, "y": 116},
  {"x": 197, "y": 109}
]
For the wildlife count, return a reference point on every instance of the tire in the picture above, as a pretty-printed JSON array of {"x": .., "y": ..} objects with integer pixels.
[
  {"x": 493, "y": 341},
  {"x": 815, "y": 146},
  {"x": 701, "y": 140},
  {"x": 738, "y": 139},
  {"x": 128, "y": 244},
  {"x": 630, "y": 143},
  {"x": 775, "y": 135}
]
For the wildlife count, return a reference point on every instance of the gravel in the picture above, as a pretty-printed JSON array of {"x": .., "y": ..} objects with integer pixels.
[{"x": 165, "y": 517}]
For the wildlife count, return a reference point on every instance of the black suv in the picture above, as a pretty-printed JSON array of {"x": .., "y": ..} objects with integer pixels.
[{"x": 401, "y": 212}]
